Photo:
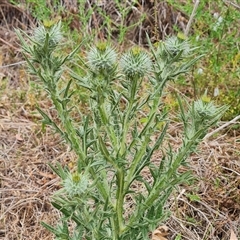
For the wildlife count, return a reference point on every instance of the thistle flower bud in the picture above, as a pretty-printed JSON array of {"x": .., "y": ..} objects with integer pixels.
[
  {"x": 204, "y": 110},
  {"x": 172, "y": 47},
  {"x": 135, "y": 63},
  {"x": 75, "y": 184},
  {"x": 54, "y": 34},
  {"x": 102, "y": 58}
]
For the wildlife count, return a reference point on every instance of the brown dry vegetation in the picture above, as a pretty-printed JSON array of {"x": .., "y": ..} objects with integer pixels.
[{"x": 207, "y": 209}]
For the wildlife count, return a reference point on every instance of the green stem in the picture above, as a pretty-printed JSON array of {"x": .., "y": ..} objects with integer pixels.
[
  {"x": 126, "y": 125},
  {"x": 109, "y": 128},
  {"x": 154, "y": 109},
  {"x": 120, "y": 200},
  {"x": 134, "y": 164},
  {"x": 126, "y": 121}
]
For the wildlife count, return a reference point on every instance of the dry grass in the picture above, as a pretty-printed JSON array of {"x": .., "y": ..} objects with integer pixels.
[
  {"x": 216, "y": 210},
  {"x": 26, "y": 182}
]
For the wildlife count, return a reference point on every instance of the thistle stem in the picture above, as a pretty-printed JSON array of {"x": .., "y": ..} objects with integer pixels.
[
  {"x": 120, "y": 200},
  {"x": 126, "y": 121}
]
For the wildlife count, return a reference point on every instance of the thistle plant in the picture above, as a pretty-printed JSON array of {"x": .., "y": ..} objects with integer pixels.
[{"x": 113, "y": 141}]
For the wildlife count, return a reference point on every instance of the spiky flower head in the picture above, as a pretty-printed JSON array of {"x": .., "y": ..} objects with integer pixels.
[
  {"x": 202, "y": 115},
  {"x": 53, "y": 33},
  {"x": 204, "y": 110},
  {"x": 102, "y": 58},
  {"x": 76, "y": 184},
  {"x": 135, "y": 63},
  {"x": 172, "y": 46}
]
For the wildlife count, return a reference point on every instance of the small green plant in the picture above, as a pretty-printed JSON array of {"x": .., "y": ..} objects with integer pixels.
[
  {"x": 178, "y": 237},
  {"x": 113, "y": 141}
]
